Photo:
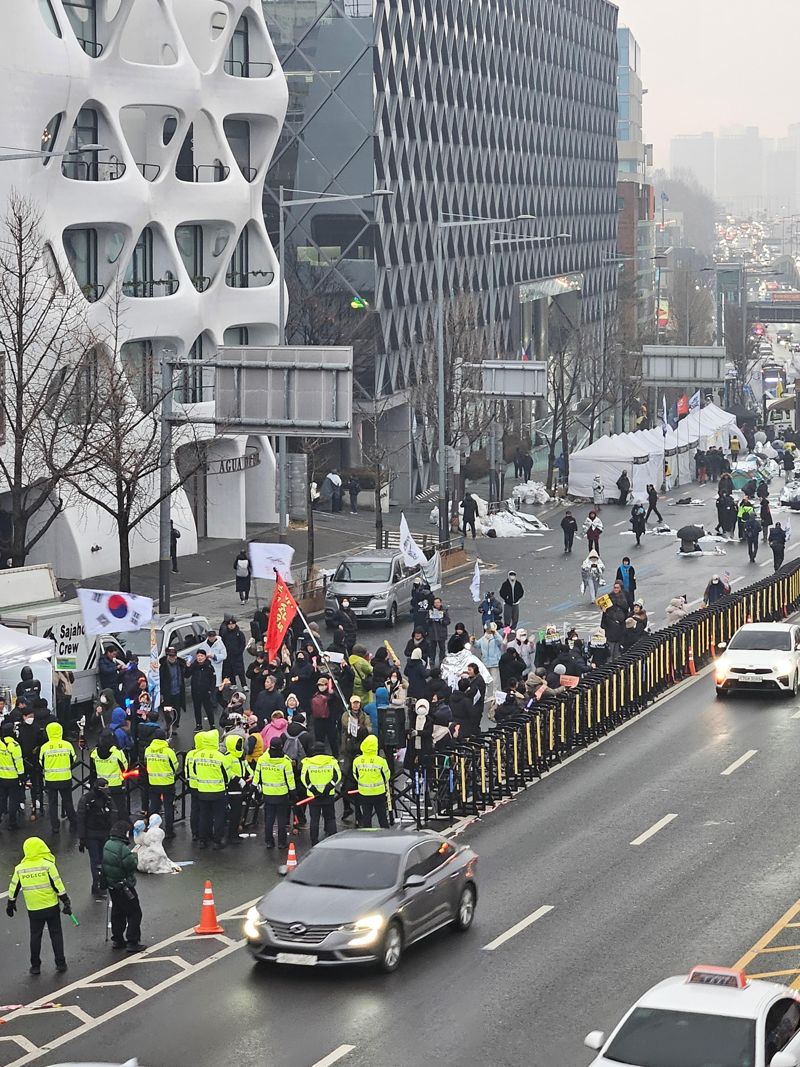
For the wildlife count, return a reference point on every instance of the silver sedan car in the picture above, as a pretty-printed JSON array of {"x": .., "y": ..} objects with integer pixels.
[{"x": 364, "y": 896}]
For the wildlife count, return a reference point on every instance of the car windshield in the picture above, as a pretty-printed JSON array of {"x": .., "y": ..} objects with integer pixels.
[
  {"x": 347, "y": 868},
  {"x": 367, "y": 571},
  {"x": 651, "y": 1037},
  {"x": 138, "y": 641},
  {"x": 762, "y": 640}
]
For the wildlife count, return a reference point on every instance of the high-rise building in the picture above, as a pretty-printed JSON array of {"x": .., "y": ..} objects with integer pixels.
[
  {"x": 740, "y": 170},
  {"x": 156, "y": 121},
  {"x": 695, "y": 154},
  {"x": 492, "y": 110},
  {"x": 636, "y": 234}
]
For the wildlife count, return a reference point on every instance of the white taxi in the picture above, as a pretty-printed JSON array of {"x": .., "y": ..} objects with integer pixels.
[{"x": 712, "y": 1017}]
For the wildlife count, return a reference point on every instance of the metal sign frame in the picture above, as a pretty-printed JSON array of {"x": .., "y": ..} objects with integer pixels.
[
  {"x": 679, "y": 366},
  {"x": 287, "y": 390},
  {"x": 512, "y": 379}
]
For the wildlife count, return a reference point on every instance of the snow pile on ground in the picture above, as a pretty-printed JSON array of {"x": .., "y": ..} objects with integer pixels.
[{"x": 530, "y": 493}]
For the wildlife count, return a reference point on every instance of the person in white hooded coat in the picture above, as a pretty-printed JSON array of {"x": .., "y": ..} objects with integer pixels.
[{"x": 149, "y": 848}]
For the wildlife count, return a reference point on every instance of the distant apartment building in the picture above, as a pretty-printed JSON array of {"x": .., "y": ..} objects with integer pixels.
[{"x": 695, "y": 153}]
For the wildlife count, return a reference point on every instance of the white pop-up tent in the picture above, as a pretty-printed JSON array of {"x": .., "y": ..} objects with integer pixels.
[
  {"x": 19, "y": 649},
  {"x": 607, "y": 458}
]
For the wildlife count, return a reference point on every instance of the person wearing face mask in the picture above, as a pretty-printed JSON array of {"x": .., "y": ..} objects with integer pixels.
[
  {"x": 715, "y": 590},
  {"x": 511, "y": 592},
  {"x": 346, "y": 618},
  {"x": 96, "y": 815},
  {"x": 355, "y": 726},
  {"x": 12, "y": 774},
  {"x": 31, "y": 736}
]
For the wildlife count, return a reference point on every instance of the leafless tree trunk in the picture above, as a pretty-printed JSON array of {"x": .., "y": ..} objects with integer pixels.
[{"x": 48, "y": 403}]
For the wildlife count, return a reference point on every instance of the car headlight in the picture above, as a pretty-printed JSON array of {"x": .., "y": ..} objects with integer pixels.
[
  {"x": 721, "y": 670},
  {"x": 783, "y": 666},
  {"x": 367, "y": 930},
  {"x": 380, "y": 596},
  {"x": 252, "y": 924}
]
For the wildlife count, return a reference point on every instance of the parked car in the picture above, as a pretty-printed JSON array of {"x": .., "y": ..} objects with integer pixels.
[{"x": 377, "y": 583}]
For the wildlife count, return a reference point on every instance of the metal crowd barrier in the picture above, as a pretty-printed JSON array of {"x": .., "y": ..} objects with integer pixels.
[{"x": 486, "y": 770}]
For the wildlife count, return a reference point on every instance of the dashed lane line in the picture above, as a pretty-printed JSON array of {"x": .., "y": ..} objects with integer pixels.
[
  {"x": 665, "y": 821},
  {"x": 517, "y": 928},
  {"x": 737, "y": 763},
  {"x": 334, "y": 1057}
]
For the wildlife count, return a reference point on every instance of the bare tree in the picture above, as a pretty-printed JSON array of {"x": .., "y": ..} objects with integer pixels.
[
  {"x": 122, "y": 475},
  {"x": 467, "y": 415},
  {"x": 47, "y": 393},
  {"x": 692, "y": 310},
  {"x": 313, "y": 449}
]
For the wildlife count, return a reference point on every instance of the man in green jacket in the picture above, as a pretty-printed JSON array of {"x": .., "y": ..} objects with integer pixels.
[{"x": 119, "y": 866}]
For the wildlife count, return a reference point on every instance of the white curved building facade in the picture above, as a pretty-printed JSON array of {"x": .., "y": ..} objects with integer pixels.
[{"x": 187, "y": 99}]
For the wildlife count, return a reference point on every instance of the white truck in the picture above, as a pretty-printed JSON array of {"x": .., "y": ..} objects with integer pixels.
[{"x": 31, "y": 601}]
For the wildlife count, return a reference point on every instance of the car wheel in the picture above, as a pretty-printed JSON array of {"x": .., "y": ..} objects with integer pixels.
[
  {"x": 721, "y": 693},
  {"x": 393, "y": 616},
  {"x": 465, "y": 912},
  {"x": 793, "y": 690},
  {"x": 392, "y": 948}
]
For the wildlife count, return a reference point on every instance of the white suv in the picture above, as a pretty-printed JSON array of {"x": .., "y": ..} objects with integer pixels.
[{"x": 761, "y": 657}]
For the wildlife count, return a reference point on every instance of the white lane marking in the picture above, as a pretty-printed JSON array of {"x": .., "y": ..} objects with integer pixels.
[
  {"x": 544, "y": 548},
  {"x": 620, "y": 523},
  {"x": 640, "y": 840},
  {"x": 766, "y": 563},
  {"x": 796, "y": 715},
  {"x": 741, "y": 578},
  {"x": 334, "y": 1057},
  {"x": 455, "y": 581},
  {"x": 737, "y": 763},
  {"x": 517, "y": 928}
]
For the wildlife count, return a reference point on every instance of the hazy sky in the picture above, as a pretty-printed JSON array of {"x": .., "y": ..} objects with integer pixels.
[{"x": 712, "y": 63}]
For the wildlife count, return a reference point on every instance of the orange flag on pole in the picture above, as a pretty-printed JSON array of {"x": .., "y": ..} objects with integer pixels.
[{"x": 281, "y": 616}]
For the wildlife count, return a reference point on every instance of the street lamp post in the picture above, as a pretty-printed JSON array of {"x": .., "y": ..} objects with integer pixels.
[
  {"x": 455, "y": 222},
  {"x": 305, "y": 201}
]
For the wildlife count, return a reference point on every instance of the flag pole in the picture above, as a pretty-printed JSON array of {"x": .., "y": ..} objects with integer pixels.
[{"x": 318, "y": 647}]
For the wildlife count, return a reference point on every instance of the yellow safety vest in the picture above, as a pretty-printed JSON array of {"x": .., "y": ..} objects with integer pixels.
[
  {"x": 111, "y": 767},
  {"x": 40, "y": 883},
  {"x": 371, "y": 774},
  {"x": 274, "y": 777},
  {"x": 209, "y": 771},
  {"x": 161, "y": 765},
  {"x": 11, "y": 765},
  {"x": 57, "y": 758},
  {"x": 319, "y": 773}
]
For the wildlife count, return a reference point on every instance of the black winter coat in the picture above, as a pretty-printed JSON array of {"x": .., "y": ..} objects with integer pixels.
[
  {"x": 202, "y": 679},
  {"x": 96, "y": 815},
  {"x": 234, "y": 642}
]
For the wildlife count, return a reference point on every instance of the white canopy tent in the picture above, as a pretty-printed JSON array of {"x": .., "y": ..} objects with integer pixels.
[
  {"x": 607, "y": 458},
  {"x": 19, "y": 649}
]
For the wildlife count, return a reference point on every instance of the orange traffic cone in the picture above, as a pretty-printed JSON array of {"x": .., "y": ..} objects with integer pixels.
[
  {"x": 208, "y": 914},
  {"x": 692, "y": 668},
  {"x": 291, "y": 859}
]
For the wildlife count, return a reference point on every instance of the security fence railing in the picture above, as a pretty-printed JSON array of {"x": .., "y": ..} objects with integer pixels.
[{"x": 477, "y": 774}]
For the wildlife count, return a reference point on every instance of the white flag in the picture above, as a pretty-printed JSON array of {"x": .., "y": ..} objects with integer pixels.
[
  {"x": 266, "y": 559},
  {"x": 432, "y": 569},
  {"x": 694, "y": 401},
  {"x": 108, "y": 612},
  {"x": 475, "y": 584},
  {"x": 413, "y": 556}
]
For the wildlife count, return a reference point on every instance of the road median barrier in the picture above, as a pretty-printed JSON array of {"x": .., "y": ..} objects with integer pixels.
[{"x": 471, "y": 776}]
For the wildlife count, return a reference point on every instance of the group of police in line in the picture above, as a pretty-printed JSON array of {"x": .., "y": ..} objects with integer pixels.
[{"x": 218, "y": 777}]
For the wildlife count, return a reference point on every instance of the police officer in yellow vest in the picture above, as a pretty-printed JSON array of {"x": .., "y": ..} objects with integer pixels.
[
  {"x": 274, "y": 778},
  {"x": 212, "y": 781},
  {"x": 238, "y": 776},
  {"x": 191, "y": 783},
  {"x": 38, "y": 878},
  {"x": 161, "y": 765},
  {"x": 110, "y": 762},
  {"x": 12, "y": 775},
  {"x": 57, "y": 758},
  {"x": 320, "y": 774},
  {"x": 372, "y": 776}
]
